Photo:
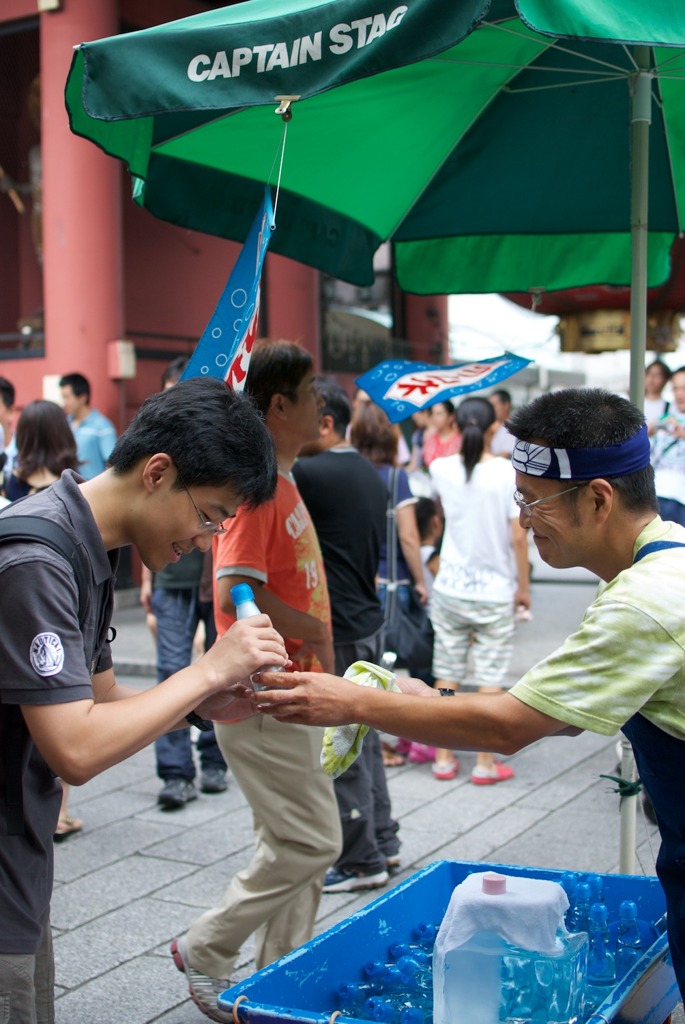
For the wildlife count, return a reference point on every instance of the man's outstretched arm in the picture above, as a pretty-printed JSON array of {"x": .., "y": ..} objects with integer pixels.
[{"x": 467, "y": 721}]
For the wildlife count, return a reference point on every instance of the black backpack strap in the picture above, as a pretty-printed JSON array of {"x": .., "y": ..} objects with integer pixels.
[
  {"x": 656, "y": 545},
  {"x": 47, "y": 532},
  {"x": 391, "y": 543}
]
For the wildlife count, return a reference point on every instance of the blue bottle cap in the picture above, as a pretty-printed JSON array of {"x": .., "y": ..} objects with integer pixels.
[
  {"x": 598, "y": 913},
  {"x": 241, "y": 592},
  {"x": 627, "y": 910}
]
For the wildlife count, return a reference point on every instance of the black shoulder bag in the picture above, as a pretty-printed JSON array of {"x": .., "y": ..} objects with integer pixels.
[{"x": 408, "y": 631}]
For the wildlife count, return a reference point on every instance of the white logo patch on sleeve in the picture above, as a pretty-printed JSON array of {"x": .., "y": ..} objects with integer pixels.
[{"x": 47, "y": 654}]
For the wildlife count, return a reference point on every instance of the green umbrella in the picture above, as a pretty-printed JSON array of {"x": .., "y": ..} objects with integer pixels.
[{"x": 501, "y": 147}]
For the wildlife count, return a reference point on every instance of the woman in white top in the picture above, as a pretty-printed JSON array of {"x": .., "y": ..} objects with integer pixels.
[{"x": 484, "y": 573}]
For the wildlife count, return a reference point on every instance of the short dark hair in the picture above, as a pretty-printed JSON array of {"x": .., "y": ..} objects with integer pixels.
[
  {"x": 426, "y": 509},
  {"x": 336, "y": 404},
  {"x": 44, "y": 440},
  {"x": 7, "y": 393},
  {"x": 373, "y": 435},
  {"x": 276, "y": 368},
  {"x": 214, "y": 436},
  {"x": 446, "y": 404},
  {"x": 588, "y": 418},
  {"x": 174, "y": 371},
  {"x": 78, "y": 384},
  {"x": 502, "y": 394},
  {"x": 474, "y": 417},
  {"x": 666, "y": 371}
]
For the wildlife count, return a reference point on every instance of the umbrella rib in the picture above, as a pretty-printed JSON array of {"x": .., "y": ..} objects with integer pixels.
[
  {"x": 555, "y": 45},
  {"x": 676, "y": 56},
  {"x": 618, "y": 73},
  {"x": 563, "y": 85},
  {"x": 631, "y": 57},
  {"x": 610, "y": 75}
]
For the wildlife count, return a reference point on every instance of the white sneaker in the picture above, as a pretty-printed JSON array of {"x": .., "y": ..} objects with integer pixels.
[
  {"x": 343, "y": 881},
  {"x": 204, "y": 990}
]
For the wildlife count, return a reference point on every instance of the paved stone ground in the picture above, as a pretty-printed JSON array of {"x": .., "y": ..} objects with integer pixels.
[{"x": 137, "y": 877}]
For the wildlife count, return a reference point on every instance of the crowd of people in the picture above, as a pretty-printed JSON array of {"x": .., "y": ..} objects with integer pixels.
[{"x": 335, "y": 515}]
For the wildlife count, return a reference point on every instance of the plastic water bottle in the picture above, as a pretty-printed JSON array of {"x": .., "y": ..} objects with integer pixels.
[
  {"x": 569, "y": 880},
  {"x": 425, "y": 934},
  {"x": 397, "y": 1010},
  {"x": 629, "y": 945},
  {"x": 381, "y": 1009},
  {"x": 601, "y": 966},
  {"x": 351, "y": 996},
  {"x": 486, "y": 979},
  {"x": 580, "y": 914},
  {"x": 596, "y": 884},
  {"x": 242, "y": 596},
  {"x": 388, "y": 976},
  {"x": 414, "y": 1015},
  {"x": 419, "y": 954}
]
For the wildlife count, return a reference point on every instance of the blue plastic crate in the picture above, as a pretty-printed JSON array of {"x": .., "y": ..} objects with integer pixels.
[{"x": 301, "y": 987}]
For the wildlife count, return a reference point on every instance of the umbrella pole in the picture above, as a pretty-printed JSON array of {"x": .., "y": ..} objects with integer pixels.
[{"x": 641, "y": 116}]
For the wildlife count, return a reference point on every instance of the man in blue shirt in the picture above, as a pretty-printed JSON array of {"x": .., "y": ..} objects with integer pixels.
[{"x": 95, "y": 434}]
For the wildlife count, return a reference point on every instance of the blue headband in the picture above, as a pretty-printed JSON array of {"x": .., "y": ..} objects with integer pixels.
[{"x": 583, "y": 463}]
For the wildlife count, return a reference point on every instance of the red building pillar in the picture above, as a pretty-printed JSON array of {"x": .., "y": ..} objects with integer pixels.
[
  {"x": 427, "y": 327},
  {"x": 82, "y": 232},
  {"x": 294, "y": 307}
]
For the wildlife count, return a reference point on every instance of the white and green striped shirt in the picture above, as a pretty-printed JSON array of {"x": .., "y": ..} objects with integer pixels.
[{"x": 628, "y": 654}]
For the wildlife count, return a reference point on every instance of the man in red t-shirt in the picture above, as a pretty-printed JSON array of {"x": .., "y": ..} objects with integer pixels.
[{"x": 297, "y": 828}]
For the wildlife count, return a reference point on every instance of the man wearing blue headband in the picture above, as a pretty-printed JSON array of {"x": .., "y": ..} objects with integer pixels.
[{"x": 585, "y": 489}]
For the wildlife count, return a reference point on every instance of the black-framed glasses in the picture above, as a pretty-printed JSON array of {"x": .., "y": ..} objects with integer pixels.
[
  {"x": 527, "y": 506},
  {"x": 206, "y": 525}
]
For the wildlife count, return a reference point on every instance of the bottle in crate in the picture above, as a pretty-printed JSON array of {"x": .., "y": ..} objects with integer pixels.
[
  {"x": 503, "y": 954},
  {"x": 601, "y": 967},
  {"x": 579, "y": 918},
  {"x": 411, "y": 949},
  {"x": 351, "y": 996},
  {"x": 425, "y": 934},
  {"x": 629, "y": 944}
]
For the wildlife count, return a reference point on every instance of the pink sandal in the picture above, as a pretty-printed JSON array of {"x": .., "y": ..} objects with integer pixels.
[
  {"x": 499, "y": 773},
  {"x": 446, "y": 770},
  {"x": 419, "y": 753}
]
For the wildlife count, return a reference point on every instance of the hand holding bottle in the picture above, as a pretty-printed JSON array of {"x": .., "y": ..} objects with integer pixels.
[
  {"x": 246, "y": 608},
  {"x": 247, "y": 647}
]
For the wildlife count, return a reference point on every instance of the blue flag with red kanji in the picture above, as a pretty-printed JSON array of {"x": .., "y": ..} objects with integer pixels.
[
  {"x": 401, "y": 387},
  {"x": 225, "y": 347}
]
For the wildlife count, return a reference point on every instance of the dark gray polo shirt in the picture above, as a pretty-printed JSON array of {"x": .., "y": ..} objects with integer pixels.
[{"x": 46, "y": 659}]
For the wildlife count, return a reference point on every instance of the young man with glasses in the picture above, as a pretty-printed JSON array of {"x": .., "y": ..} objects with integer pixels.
[
  {"x": 172, "y": 598},
  {"x": 191, "y": 456},
  {"x": 586, "y": 493}
]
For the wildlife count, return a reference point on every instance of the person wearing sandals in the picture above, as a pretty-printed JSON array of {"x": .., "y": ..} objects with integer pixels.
[
  {"x": 483, "y": 575},
  {"x": 45, "y": 447}
]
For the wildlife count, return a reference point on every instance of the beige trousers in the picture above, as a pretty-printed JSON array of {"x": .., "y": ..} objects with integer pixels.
[
  {"x": 27, "y": 985},
  {"x": 297, "y": 837}
]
